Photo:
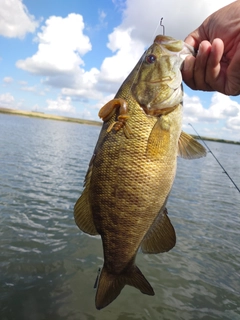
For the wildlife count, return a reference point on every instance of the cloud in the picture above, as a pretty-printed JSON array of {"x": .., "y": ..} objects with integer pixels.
[
  {"x": 33, "y": 89},
  {"x": 22, "y": 82},
  {"x": 178, "y": 21},
  {"x": 61, "y": 104},
  {"x": 234, "y": 124},
  {"x": 6, "y": 100},
  {"x": 220, "y": 108},
  {"x": 101, "y": 15},
  {"x": 7, "y": 79},
  {"x": 29, "y": 89},
  {"x": 61, "y": 45},
  {"x": 15, "y": 20},
  {"x": 222, "y": 112}
]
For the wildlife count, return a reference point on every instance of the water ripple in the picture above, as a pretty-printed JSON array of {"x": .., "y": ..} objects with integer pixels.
[{"x": 48, "y": 266}]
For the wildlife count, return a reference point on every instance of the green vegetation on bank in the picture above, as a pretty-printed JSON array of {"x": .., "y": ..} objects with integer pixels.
[{"x": 83, "y": 121}]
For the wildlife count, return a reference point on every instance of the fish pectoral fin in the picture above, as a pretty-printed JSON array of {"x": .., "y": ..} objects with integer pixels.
[
  {"x": 161, "y": 236},
  {"x": 189, "y": 148},
  {"x": 82, "y": 209},
  {"x": 110, "y": 285},
  {"x": 159, "y": 138}
]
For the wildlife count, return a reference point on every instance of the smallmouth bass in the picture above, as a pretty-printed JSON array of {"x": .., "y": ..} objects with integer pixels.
[{"x": 133, "y": 168}]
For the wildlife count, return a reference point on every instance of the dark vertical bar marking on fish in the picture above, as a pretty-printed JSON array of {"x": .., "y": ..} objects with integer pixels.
[{"x": 224, "y": 171}]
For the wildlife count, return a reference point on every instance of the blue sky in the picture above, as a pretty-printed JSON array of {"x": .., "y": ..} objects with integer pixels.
[{"x": 69, "y": 57}]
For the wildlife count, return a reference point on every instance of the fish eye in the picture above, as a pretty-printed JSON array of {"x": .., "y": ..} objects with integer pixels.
[{"x": 150, "y": 58}]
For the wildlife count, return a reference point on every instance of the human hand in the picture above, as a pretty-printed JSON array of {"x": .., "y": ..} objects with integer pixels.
[{"x": 216, "y": 66}]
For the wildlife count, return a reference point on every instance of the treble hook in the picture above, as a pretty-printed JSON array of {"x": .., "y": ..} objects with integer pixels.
[{"x": 162, "y": 26}]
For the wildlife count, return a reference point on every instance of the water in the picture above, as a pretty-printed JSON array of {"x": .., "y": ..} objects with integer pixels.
[{"x": 48, "y": 266}]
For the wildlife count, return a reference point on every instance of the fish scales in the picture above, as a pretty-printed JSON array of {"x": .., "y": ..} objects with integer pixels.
[
  {"x": 127, "y": 183},
  {"x": 133, "y": 167}
]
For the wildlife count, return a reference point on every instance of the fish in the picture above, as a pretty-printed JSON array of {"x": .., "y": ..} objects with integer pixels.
[{"x": 133, "y": 167}]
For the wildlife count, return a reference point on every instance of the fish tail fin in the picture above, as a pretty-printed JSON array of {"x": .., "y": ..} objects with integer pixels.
[{"x": 110, "y": 285}]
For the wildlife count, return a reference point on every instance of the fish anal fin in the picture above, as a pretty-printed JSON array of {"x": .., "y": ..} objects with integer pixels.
[
  {"x": 161, "y": 236},
  {"x": 110, "y": 285},
  {"x": 159, "y": 138},
  {"x": 189, "y": 148},
  {"x": 82, "y": 209}
]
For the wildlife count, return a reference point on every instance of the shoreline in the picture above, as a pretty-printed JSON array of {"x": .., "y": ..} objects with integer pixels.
[{"x": 42, "y": 115}]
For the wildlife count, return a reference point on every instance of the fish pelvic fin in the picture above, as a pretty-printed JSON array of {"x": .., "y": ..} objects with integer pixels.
[
  {"x": 110, "y": 285},
  {"x": 189, "y": 148}
]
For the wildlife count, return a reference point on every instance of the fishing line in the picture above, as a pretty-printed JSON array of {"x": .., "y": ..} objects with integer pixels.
[{"x": 224, "y": 171}]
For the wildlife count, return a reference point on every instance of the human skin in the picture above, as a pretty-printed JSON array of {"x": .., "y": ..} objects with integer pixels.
[{"x": 216, "y": 66}]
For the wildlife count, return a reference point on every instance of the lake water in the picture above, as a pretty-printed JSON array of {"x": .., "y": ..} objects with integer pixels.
[{"x": 48, "y": 266}]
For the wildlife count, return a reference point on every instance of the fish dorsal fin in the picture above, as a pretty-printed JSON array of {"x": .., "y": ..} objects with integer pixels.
[
  {"x": 158, "y": 139},
  {"x": 189, "y": 148},
  {"x": 82, "y": 209},
  {"x": 161, "y": 236}
]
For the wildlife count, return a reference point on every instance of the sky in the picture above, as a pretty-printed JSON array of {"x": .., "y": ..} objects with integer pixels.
[{"x": 69, "y": 57}]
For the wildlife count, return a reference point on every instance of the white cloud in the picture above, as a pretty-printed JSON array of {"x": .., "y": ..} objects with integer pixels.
[
  {"x": 29, "y": 89},
  {"x": 234, "y": 124},
  {"x": 101, "y": 16},
  {"x": 22, "y": 83},
  {"x": 6, "y": 100},
  {"x": 127, "y": 51},
  {"x": 7, "y": 79},
  {"x": 15, "y": 20},
  {"x": 223, "y": 112},
  {"x": 100, "y": 103},
  {"x": 179, "y": 17},
  {"x": 61, "y": 45},
  {"x": 61, "y": 104},
  {"x": 33, "y": 89}
]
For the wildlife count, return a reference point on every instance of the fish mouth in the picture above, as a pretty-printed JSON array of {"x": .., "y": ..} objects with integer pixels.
[
  {"x": 175, "y": 47},
  {"x": 187, "y": 50},
  {"x": 165, "y": 79}
]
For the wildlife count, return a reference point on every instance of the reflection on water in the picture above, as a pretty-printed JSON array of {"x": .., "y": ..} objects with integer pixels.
[{"x": 48, "y": 266}]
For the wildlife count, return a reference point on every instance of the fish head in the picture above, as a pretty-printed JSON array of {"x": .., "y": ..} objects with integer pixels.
[{"x": 157, "y": 78}]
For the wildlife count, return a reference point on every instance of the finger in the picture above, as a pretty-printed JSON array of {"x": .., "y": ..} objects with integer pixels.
[
  {"x": 195, "y": 37},
  {"x": 187, "y": 71},
  {"x": 214, "y": 77},
  {"x": 199, "y": 73},
  {"x": 232, "y": 84},
  {"x": 191, "y": 41}
]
